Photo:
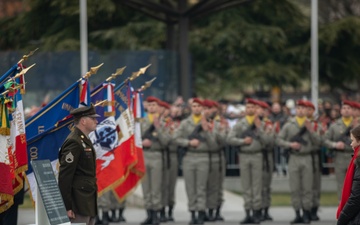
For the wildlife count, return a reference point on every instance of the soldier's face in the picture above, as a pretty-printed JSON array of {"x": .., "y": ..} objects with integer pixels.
[
  {"x": 309, "y": 112},
  {"x": 346, "y": 111},
  {"x": 153, "y": 107},
  {"x": 90, "y": 123},
  {"x": 300, "y": 111},
  {"x": 196, "y": 108},
  {"x": 250, "y": 109}
]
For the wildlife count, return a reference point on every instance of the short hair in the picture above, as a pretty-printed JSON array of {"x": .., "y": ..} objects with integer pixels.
[{"x": 356, "y": 132}]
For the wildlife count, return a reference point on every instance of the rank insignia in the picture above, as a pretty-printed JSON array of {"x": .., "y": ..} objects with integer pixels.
[{"x": 69, "y": 158}]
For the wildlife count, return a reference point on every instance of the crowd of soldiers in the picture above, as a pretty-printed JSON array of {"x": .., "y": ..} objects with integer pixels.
[{"x": 199, "y": 133}]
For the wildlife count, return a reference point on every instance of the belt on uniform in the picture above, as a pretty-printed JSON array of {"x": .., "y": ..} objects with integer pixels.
[
  {"x": 196, "y": 151},
  {"x": 250, "y": 153},
  {"x": 148, "y": 149},
  {"x": 300, "y": 153}
]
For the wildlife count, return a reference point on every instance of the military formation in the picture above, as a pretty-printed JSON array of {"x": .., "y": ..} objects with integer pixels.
[{"x": 193, "y": 137}]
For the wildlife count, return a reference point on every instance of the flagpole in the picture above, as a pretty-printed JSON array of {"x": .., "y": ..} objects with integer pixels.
[
  {"x": 83, "y": 37},
  {"x": 314, "y": 54}
]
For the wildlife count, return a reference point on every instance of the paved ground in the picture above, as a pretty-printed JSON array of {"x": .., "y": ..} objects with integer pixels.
[
  {"x": 233, "y": 211},
  {"x": 281, "y": 215}
]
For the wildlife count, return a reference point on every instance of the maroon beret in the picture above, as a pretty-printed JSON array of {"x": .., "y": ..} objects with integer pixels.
[
  {"x": 152, "y": 99},
  {"x": 197, "y": 100}
]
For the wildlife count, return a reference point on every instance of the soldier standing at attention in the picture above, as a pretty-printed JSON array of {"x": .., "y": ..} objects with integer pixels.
[
  {"x": 77, "y": 172},
  {"x": 337, "y": 138},
  {"x": 316, "y": 159},
  {"x": 164, "y": 113},
  {"x": 299, "y": 137},
  {"x": 153, "y": 141},
  {"x": 195, "y": 134},
  {"x": 223, "y": 127},
  {"x": 214, "y": 182},
  {"x": 171, "y": 125},
  {"x": 268, "y": 162},
  {"x": 249, "y": 135}
]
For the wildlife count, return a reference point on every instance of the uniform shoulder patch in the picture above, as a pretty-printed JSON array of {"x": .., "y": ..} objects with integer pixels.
[{"x": 69, "y": 158}]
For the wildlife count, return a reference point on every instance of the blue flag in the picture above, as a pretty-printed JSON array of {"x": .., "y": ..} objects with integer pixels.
[
  {"x": 55, "y": 111},
  {"x": 46, "y": 146}
]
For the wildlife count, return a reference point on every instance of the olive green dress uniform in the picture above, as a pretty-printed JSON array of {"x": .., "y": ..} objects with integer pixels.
[
  {"x": 341, "y": 157},
  {"x": 195, "y": 163},
  {"x": 251, "y": 164},
  {"x": 268, "y": 165},
  {"x": 152, "y": 181},
  {"x": 214, "y": 182},
  {"x": 300, "y": 165},
  {"x": 77, "y": 173}
]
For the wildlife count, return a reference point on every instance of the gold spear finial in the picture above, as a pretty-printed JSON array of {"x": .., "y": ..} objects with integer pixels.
[
  {"x": 147, "y": 84},
  {"x": 118, "y": 72},
  {"x": 23, "y": 71},
  {"x": 93, "y": 70},
  {"x": 101, "y": 103},
  {"x": 12, "y": 89},
  {"x": 139, "y": 72},
  {"x": 27, "y": 56}
]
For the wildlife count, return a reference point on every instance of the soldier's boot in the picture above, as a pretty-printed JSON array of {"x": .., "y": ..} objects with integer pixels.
[
  {"x": 211, "y": 217},
  {"x": 306, "y": 216},
  {"x": 206, "y": 218},
  {"x": 162, "y": 215},
  {"x": 266, "y": 214},
  {"x": 256, "y": 219},
  {"x": 121, "y": 215},
  {"x": 148, "y": 219},
  {"x": 105, "y": 218},
  {"x": 247, "y": 218},
  {"x": 97, "y": 220},
  {"x": 262, "y": 215},
  {"x": 201, "y": 217},
  {"x": 218, "y": 216},
  {"x": 297, "y": 218},
  {"x": 155, "y": 218},
  {"x": 170, "y": 214},
  {"x": 113, "y": 217},
  {"x": 193, "y": 220},
  {"x": 314, "y": 216}
]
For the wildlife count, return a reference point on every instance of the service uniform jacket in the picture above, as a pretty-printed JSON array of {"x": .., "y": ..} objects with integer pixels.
[
  {"x": 77, "y": 174},
  {"x": 350, "y": 214},
  {"x": 335, "y": 131},
  {"x": 290, "y": 129}
]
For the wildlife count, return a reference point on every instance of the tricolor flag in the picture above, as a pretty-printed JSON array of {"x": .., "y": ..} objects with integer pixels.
[
  {"x": 6, "y": 168},
  {"x": 105, "y": 139},
  {"x": 18, "y": 141},
  {"x": 85, "y": 92},
  {"x": 137, "y": 169}
]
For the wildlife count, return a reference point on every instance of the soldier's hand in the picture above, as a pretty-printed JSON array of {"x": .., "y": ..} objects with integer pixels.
[
  {"x": 71, "y": 214},
  {"x": 248, "y": 140},
  {"x": 194, "y": 143},
  {"x": 308, "y": 125},
  {"x": 204, "y": 123},
  {"x": 257, "y": 122},
  {"x": 146, "y": 143},
  {"x": 156, "y": 122},
  {"x": 340, "y": 145},
  {"x": 269, "y": 128},
  {"x": 295, "y": 145}
]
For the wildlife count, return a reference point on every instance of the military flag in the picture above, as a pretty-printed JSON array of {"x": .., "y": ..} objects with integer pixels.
[
  {"x": 6, "y": 168},
  {"x": 137, "y": 171}
]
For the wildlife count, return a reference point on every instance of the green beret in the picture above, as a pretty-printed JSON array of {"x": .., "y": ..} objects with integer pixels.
[{"x": 84, "y": 111}]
